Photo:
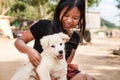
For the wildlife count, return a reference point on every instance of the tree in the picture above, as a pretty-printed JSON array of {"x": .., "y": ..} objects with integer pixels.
[
  {"x": 43, "y": 7},
  {"x": 5, "y": 6},
  {"x": 22, "y": 10},
  {"x": 118, "y": 6},
  {"x": 90, "y": 3},
  {"x": 29, "y": 9},
  {"x": 118, "y": 3}
]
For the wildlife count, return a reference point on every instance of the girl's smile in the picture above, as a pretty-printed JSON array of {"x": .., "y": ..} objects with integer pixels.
[{"x": 70, "y": 19}]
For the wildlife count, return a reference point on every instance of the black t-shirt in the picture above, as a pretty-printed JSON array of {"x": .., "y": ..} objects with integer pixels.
[{"x": 41, "y": 28}]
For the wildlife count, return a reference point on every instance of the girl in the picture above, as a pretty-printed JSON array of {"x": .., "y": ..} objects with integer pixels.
[{"x": 68, "y": 15}]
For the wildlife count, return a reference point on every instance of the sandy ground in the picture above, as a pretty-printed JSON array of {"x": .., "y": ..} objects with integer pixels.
[{"x": 94, "y": 59}]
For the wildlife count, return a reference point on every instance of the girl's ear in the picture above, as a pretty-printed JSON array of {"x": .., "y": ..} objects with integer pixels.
[
  {"x": 44, "y": 41},
  {"x": 64, "y": 36}
]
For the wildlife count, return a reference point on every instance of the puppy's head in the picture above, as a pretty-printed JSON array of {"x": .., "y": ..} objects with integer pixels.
[{"x": 54, "y": 44}]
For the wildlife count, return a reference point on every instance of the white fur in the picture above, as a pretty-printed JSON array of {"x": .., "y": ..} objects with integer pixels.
[{"x": 52, "y": 63}]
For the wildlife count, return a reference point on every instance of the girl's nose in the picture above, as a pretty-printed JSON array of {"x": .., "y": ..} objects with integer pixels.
[{"x": 69, "y": 20}]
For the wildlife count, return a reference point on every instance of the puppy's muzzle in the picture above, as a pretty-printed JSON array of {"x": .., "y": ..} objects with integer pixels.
[{"x": 60, "y": 55}]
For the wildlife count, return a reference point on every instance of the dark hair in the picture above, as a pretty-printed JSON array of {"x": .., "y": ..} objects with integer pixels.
[{"x": 80, "y": 4}]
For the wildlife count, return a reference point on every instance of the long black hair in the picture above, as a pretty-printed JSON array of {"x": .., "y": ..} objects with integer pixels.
[{"x": 80, "y": 4}]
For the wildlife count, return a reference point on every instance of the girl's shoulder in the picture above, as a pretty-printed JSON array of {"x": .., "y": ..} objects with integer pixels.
[
  {"x": 41, "y": 22},
  {"x": 44, "y": 21},
  {"x": 40, "y": 28}
]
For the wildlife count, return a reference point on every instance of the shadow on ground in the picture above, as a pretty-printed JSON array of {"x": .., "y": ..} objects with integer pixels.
[
  {"x": 8, "y": 68},
  {"x": 100, "y": 67}
]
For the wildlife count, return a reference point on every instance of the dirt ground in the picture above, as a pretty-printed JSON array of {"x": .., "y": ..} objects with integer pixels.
[{"x": 95, "y": 59}]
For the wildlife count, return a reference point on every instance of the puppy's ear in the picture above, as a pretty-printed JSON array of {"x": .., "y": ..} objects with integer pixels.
[
  {"x": 44, "y": 41},
  {"x": 64, "y": 36}
]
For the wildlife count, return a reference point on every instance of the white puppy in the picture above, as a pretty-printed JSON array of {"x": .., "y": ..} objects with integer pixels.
[{"x": 53, "y": 60}]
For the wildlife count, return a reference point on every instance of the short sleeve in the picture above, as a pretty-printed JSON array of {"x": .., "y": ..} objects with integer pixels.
[
  {"x": 75, "y": 40},
  {"x": 39, "y": 28},
  {"x": 72, "y": 44}
]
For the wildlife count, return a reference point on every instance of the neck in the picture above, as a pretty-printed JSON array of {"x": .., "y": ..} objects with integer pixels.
[{"x": 70, "y": 32}]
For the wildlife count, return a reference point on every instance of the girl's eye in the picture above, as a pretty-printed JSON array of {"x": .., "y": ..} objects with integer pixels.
[
  {"x": 75, "y": 18},
  {"x": 66, "y": 15},
  {"x": 52, "y": 46}
]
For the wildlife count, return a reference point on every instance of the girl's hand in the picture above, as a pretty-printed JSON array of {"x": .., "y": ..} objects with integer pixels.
[
  {"x": 34, "y": 56},
  {"x": 53, "y": 78},
  {"x": 72, "y": 66}
]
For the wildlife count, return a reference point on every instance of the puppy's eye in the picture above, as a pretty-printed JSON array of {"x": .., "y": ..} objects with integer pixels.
[
  {"x": 60, "y": 43},
  {"x": 52, "y": 46}
]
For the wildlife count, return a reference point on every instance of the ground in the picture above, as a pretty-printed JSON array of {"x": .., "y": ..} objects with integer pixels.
[{"x": 95, "y": 58}]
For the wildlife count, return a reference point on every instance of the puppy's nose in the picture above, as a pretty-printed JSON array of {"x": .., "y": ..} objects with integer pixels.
[{"x": 61, "y": 52}]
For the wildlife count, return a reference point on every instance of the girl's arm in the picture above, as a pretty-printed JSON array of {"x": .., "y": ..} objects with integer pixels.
[
  {"x": 21, "y": 45},
  {"x": 70, "y": 58}
]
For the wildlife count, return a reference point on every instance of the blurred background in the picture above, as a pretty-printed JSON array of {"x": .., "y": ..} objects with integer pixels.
[
  {"x": 102, "y": 16},
  {"x": 99, "y": 46}
]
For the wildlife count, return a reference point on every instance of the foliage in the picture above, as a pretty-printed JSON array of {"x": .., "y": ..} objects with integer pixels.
[
  {"x": 118, "y": 5},
  {"x": 92, "y": 2},
  {"x": 5, "y": 6},
  {"x": 45, "y": 9},
  {"x": 27, "y": 9},
  {"x": 33, "y": 9},
  {"x": 17, "y": 9},
  {"x": 107, "y": 24},
  {"x": 20, "y": 9}
]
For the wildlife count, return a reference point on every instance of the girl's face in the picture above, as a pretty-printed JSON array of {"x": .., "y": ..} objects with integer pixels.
[{"x": 70, "y": 19}]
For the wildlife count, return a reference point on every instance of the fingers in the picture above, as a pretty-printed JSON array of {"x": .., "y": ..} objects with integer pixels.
[
  {"x": 53, "y": 78},
  {"x": 36, "y": 62},
  {"x": 72, "y": 66},
  {"x": 34, "y": 56},
  {"x": 36, "y": 74}
]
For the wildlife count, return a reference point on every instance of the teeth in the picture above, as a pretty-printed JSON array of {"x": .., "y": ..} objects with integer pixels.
[{"x": 67, "y": 25}]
